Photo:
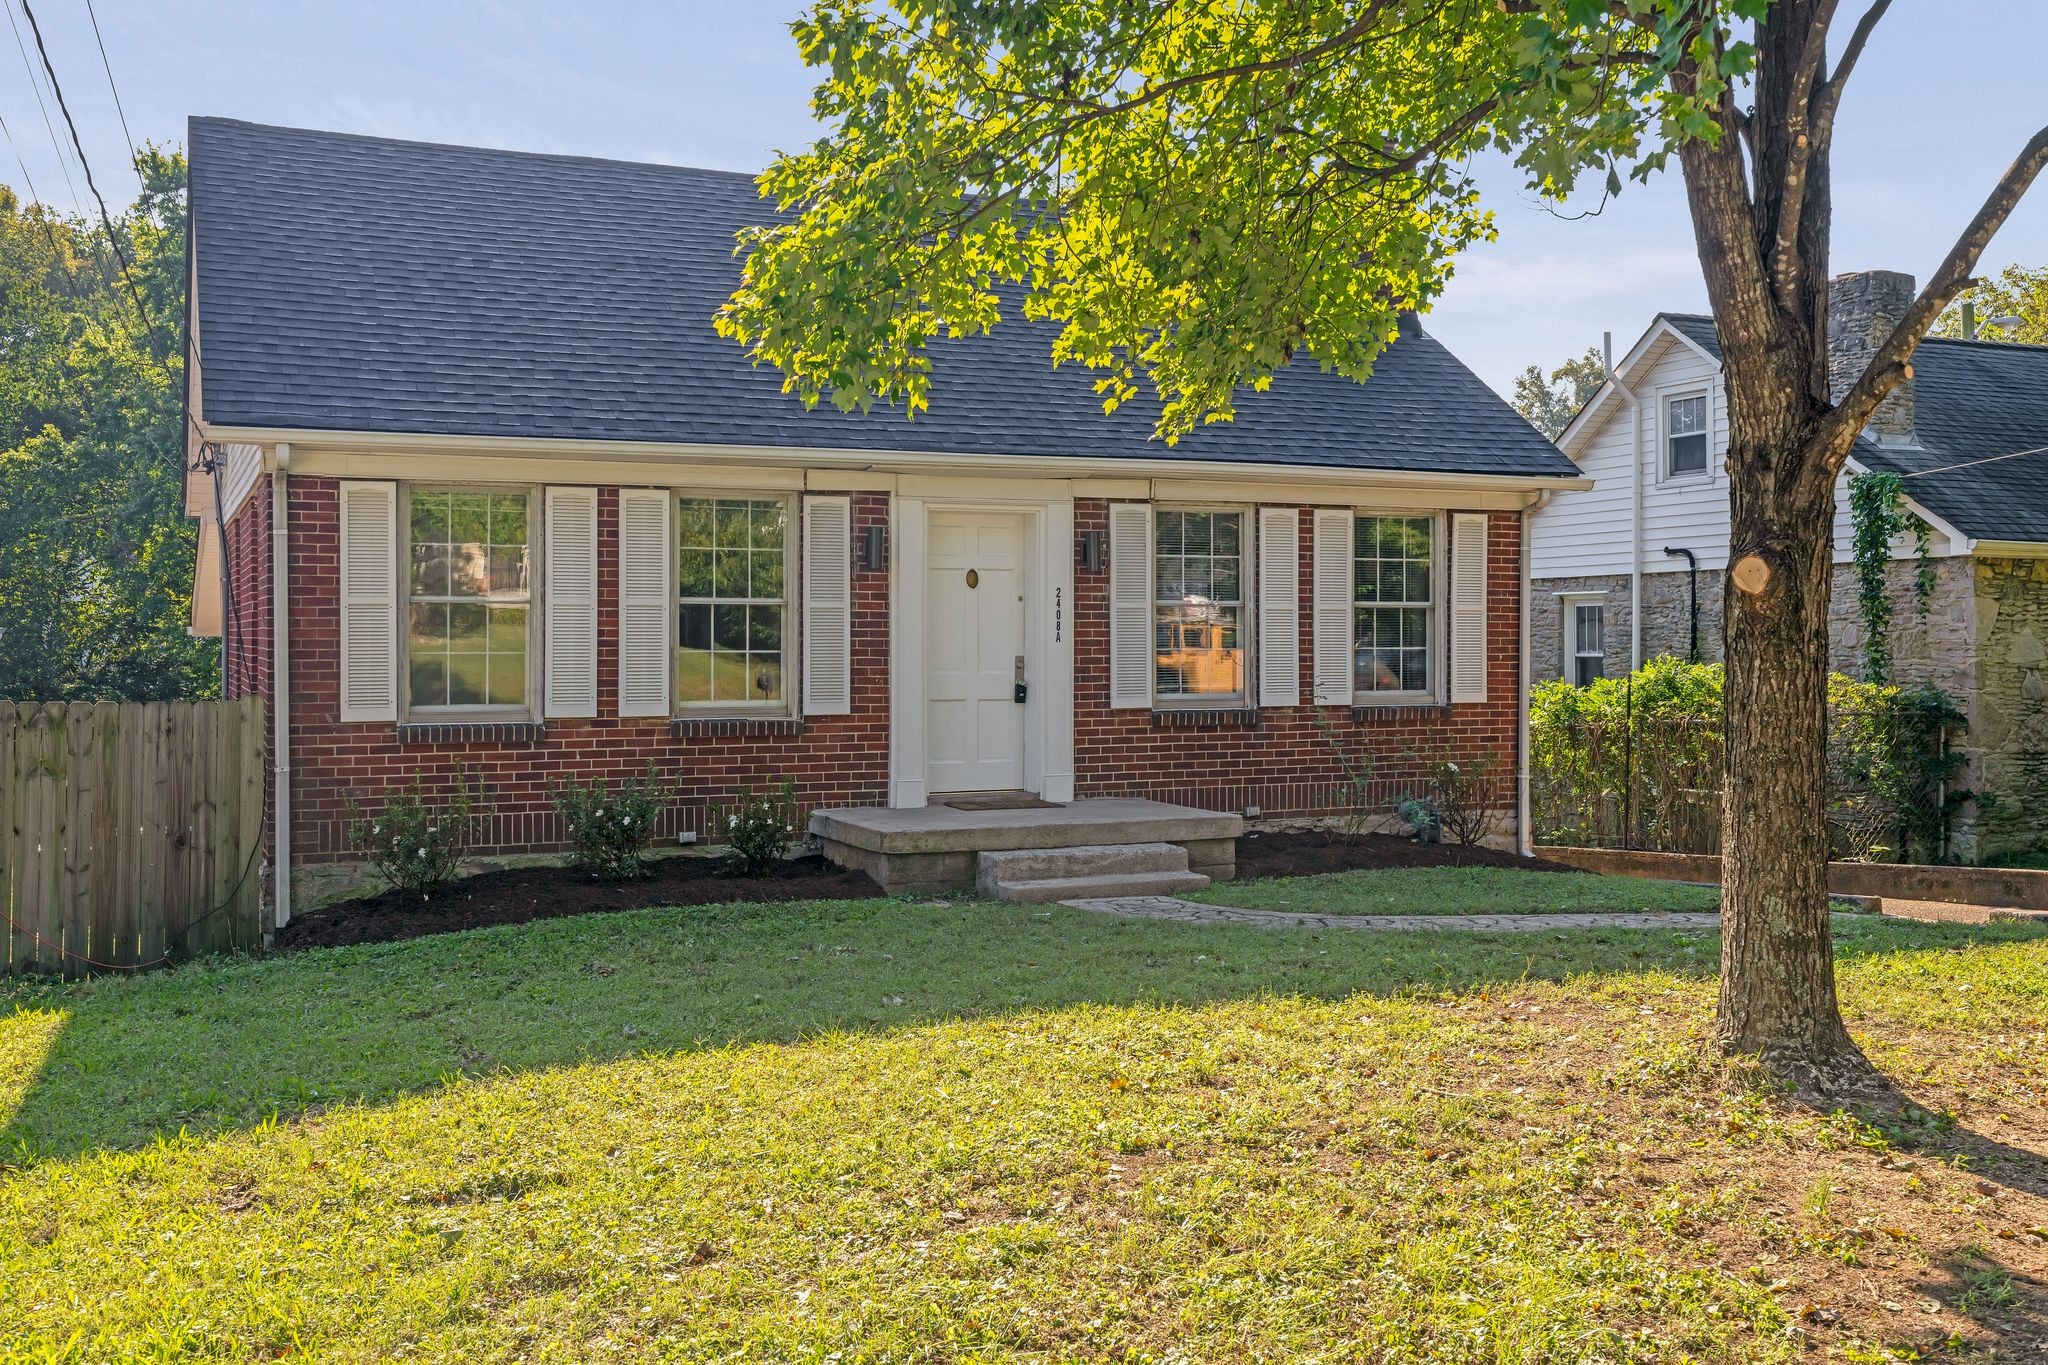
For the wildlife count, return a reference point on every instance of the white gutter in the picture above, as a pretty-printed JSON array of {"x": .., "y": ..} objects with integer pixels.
[
  {"x": 1525, "y": 838},
  {"x": 1069, "y": 466},
  {"x": 280, "y": 688}
]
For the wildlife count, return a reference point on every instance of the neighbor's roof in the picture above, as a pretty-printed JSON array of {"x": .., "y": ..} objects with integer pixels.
[
  {"x": 363, "y": 284},
  {"x": 1972, "y": 400}
]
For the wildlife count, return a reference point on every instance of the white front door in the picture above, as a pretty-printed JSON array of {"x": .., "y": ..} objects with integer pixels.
[{"x": 974, "y": 643}]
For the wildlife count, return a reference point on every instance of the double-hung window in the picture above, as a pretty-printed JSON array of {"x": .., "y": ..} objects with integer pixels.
[
  {"x": 469, "y": 598},
  {"x": 733, "y": 627},
  {"x": 1394, "y": 608},
  {"x": 1585, "y": 639},
  {"x": 1685, "y": 442},
  {"x": 1198, "y": 610}
]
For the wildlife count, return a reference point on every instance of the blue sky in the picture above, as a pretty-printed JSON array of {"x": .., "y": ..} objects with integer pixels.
[{"x": 1932, "y": 118}]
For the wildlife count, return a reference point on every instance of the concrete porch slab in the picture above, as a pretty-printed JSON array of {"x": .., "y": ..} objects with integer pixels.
[{"x": 935, "y": 848}]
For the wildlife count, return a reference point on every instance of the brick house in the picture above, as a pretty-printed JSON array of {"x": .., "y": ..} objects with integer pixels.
[
  {"x": 495, "y": 496},
  {"x": 1631, "y": 569}
]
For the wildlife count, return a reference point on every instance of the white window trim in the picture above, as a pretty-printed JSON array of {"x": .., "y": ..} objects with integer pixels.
[
  {"x": 1247, "y": 594},
  {"x": 1439, "y": 609},
  {"x": 1568, "y": 604},
  {"x": 792, "y": 594},
  {"x": 1665, "y": 472},
  {"x": 536, "y": 562}
]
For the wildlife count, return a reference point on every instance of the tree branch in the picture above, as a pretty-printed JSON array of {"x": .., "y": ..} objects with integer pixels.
[
  {"x": 1830, "y": 98},
  {"x": 1888, "y": 368},
  {"x": 1801, "y": 138}
]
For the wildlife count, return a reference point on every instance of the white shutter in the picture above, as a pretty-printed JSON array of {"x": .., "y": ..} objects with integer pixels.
[
  {"x": 369, "y": 601},
  {"x": 1279, "y": 606},
  {"x": 1332, "y": 601},
  {"x": 828, "y": 606},
  {"x": 1468, "y": 607},
  {"x": 1130, "y": 604},
  {"x": 647, "y": 587},
  {"x": 569, "y": 687}
]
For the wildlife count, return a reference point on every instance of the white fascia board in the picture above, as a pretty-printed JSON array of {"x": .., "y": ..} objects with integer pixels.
[
  {"x": 1592, "y": 415},
  {"x": 909, "y": 461}
]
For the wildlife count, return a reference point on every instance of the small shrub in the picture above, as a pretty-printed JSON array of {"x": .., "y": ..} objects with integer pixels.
[
  {"x": 1461, "y": 798},
  {"x": 416, "y": 844},
  {"x": 758, "y": 829},
  {"x": 609, "y": 830},
  {"x": 1354, "y": 793}
]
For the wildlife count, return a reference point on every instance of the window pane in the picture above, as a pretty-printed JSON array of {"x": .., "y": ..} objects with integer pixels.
[
  {"x": 428, "y": 680},
  {"x": 693, "y": 674},
  {"x": 1688, "y": 454},
  {"x": 767, "y": 672},
  {"x": 1225, "y": 532},
  {"x": 728, "y": 676},
  {"x": 729, "y": 627},
  {"x": 764, "y": 628},
  {"x": 693, "y": 627},
  {"x": 730, "y": 525},
  {"x": 1167, "y": 531},
  {"x": 768, "y": 533},
  {"x": 1688, "y": 416},
  {"x": 429, "y": 570},
  {"x": 1198, "y": 652},
  {"x": 693, "y": 524},
  {"x": 767, "y": 575},
  {"x": 693, "y": 568}
]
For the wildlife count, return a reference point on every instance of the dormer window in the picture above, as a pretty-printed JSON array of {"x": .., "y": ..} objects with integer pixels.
[{"x": 1685, "y": 442}]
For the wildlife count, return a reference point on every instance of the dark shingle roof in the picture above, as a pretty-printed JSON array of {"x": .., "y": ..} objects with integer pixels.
[
  {"x": 1972, "y": 400},
  {"x": 362, "y": 284}
]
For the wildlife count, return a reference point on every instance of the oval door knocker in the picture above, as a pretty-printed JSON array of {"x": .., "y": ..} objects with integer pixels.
[{"x": 973, "y": 579}]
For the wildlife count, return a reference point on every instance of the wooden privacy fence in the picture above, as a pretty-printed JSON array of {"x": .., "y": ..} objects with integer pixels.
[{"x": 130, "y": 832}]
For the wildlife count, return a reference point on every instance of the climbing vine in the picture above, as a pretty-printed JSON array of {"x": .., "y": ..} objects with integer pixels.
[{"x": 1877, "y": 514}]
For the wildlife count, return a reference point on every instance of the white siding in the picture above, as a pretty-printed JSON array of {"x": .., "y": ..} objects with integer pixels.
[{"x": 1588, "y": 533}]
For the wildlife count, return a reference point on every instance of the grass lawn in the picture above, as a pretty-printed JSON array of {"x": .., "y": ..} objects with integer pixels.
[
  {"x": 1459, "y": 891},
  {"x": 895, "y": 1131}
]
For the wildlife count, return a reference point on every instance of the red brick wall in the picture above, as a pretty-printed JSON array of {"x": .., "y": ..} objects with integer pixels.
[
  {"x": 835, "y": 760},
  {"x": 1285, "y": 762},
  {"x": 247, "y": 627}
]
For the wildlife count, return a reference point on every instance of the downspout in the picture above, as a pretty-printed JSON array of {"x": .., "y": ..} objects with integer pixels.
[
  {"x": 1692, "y": 587},
  {"x": 1635, "y": 540},
  {"x": 280, "y": 690},
  {"x": 1525, "y": 837}
]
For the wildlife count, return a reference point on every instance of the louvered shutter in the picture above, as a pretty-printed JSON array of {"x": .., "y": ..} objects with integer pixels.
[
  {"x": 569, "y": 687},
  {"x": 1130, "y": 604},
  {"x": 369, "y": 601},
  {"x": 1468, "y": 607},
  {"x": 828, "y": 606},
  {"x": 646, "y": 591},
  {"x": 1279, "y": 606},
  {"x": 1332, "y": 603}
]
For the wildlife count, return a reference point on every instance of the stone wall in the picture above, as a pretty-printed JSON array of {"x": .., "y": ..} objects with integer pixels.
[
  {"x": 1546, "y": 623},
  {"x": 2010, "y": 724}
]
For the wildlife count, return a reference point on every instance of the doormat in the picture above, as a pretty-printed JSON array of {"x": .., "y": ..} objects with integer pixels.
[{"x": 994, "y": 801}]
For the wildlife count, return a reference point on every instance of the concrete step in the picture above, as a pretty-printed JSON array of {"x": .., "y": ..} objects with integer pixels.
[
  {"x": 1086, "y": 860},
  {"x": 1042, "y": 890}
]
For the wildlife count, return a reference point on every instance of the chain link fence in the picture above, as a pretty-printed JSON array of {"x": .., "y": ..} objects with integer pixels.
[{"x": 1654, "y": 782}]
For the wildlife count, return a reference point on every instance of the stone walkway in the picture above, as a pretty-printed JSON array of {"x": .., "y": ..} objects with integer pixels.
[{"x": 1193, "y": 912}]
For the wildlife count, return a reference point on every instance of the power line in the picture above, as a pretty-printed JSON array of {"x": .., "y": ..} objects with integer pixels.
[
  {"x": 36, "y": 87},
  {"x": 106, "y": 219},
  {"x": 1971, "y": 464},
  {"x": 35, "y": 199},
  {"x": 107, "y": 66}
]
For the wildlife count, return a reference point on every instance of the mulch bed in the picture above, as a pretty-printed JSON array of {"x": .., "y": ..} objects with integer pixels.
[
  {"x": 520, "y": 895},
  {"x": 1305, "y": 853}
]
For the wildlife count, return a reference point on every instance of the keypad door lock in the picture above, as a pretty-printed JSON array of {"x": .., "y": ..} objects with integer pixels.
[{"x": 1020, "y": 678}]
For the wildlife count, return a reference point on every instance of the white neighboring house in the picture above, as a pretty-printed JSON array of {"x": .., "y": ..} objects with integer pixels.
[{"x": 1632, "y": 569}]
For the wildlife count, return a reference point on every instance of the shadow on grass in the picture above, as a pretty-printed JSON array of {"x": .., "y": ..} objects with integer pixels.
[{"x": 117, "y": 1064}]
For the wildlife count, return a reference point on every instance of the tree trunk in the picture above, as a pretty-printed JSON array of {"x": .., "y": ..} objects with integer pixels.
[{"x": 1777, "y": 952}]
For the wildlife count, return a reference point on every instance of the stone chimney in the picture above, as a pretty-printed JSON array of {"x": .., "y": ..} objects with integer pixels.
[{"x": 1862, "y": 310}]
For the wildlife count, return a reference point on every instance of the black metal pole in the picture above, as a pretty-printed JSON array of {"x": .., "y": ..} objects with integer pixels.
[{"x": 1692, "y": 584}]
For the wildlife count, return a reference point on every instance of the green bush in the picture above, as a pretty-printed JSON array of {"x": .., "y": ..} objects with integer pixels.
[
  {"x": 758, "y": 828},
  {"x": 1638, "y": 760},
  {"x": 416, "y": 844},
  {"x": 609, "y": 830}
]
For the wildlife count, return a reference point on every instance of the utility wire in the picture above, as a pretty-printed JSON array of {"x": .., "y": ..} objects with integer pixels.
[
  {"x": 35, "y": 199},
  {"x": 36, "y": 87},
  {"x": 106, "y": 219},
  {"x": 107, "y": 66},
  {"x": 1971, "y": 464}
]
